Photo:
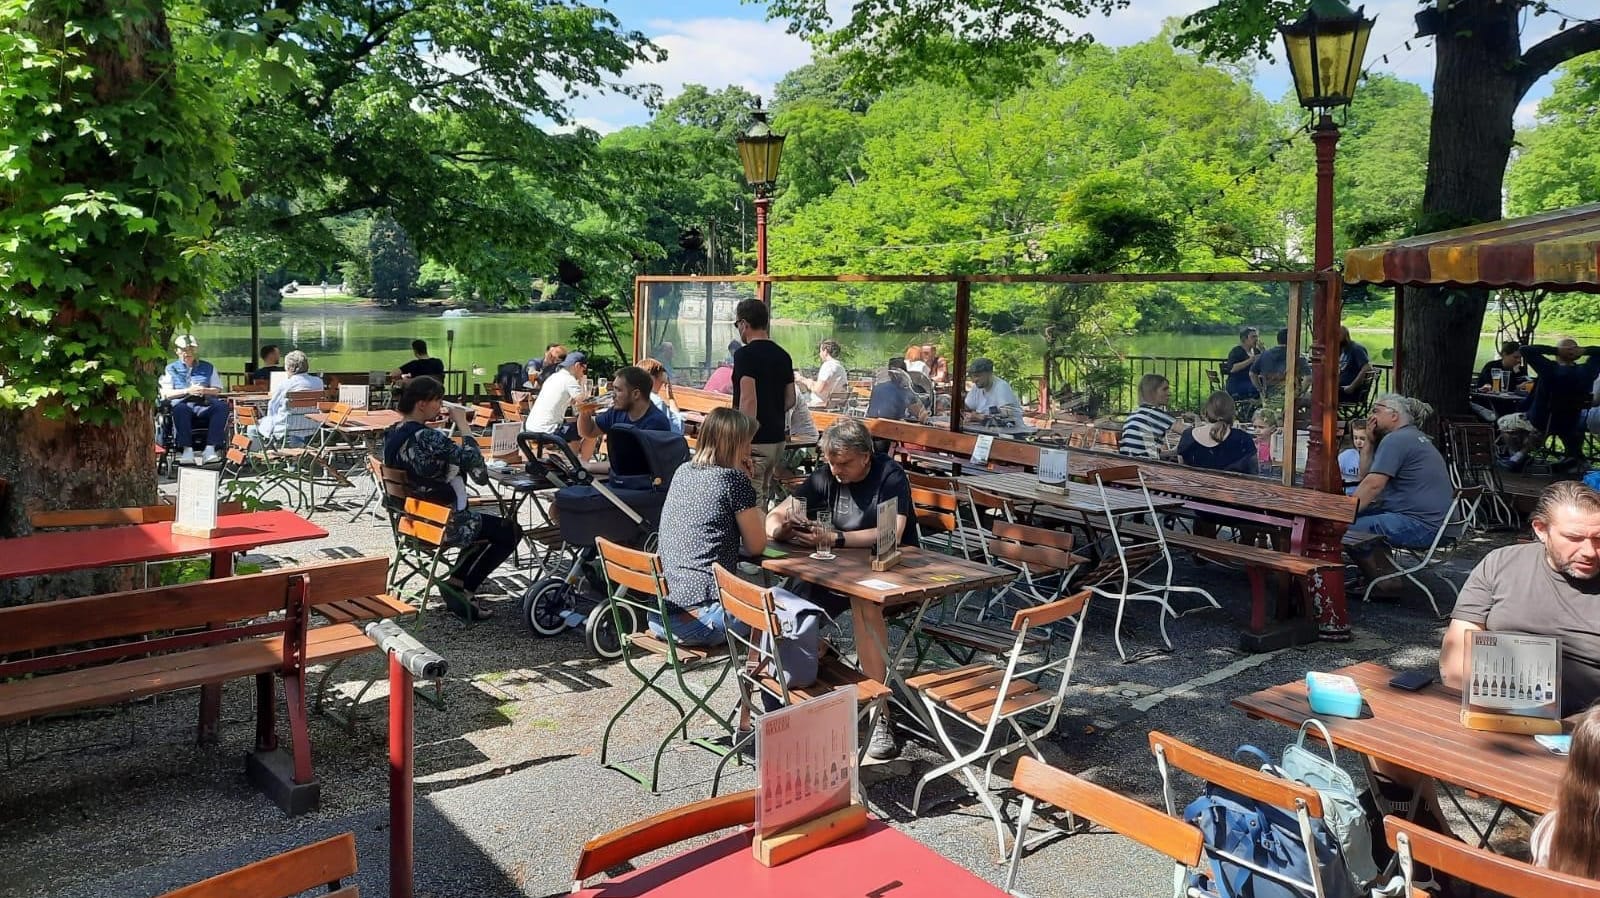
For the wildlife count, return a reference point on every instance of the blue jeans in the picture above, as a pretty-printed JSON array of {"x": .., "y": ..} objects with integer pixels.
[
  {"x": 212, "y": 414},
  {"x": 707, "y": 626},
  {"x": 1398, "y": 529}
]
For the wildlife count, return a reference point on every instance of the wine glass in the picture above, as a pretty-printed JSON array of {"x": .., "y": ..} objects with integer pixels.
[{"x": 823, "y": 528}]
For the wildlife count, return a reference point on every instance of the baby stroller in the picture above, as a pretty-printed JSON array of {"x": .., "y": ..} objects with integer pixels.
[{"x": 624, "y": 508}]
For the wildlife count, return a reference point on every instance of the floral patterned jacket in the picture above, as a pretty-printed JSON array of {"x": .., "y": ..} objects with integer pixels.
[{"x": 436, "y": 467}]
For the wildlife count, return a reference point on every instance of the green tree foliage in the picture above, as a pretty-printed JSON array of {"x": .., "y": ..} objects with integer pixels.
[
  {"x": 113, "y": 163},
  {"x": 1559, "y": 164},
  {"x": 392, "y": 261}
]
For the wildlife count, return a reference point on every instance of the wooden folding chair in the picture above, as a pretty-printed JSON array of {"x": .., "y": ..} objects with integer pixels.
[
  {"x": 639, "y": 589},
  {"x": 1040, "y": 783},
  {"x": 981, "y": 712},
  {"x": 703, "y": 817},
  {"x": 762, "y": 673},
  {"x": 320, "y": 865},
  {"x": 1500, "y": 874},
  {"x": 1451, "y": 534},
  {"x": 1297, "y": 799}
]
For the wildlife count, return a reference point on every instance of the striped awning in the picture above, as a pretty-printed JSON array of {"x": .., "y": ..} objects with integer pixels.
[{"x": 1557, "y": 250}]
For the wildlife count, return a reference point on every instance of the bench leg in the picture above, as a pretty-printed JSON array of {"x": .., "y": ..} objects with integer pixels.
[
  {"x": 266, "y": 713},
  {"x": 1258, "y": 599},
  {"x": 294, "y": 692},
  {"x": 210, "y": 712}
]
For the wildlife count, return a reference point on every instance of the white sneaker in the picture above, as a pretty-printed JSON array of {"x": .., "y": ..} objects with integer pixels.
[
  {"x": 211, "y": 457},
  {"x": 187, "y": 458}
]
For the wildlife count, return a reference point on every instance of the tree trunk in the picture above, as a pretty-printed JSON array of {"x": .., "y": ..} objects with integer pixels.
[
  {"x": 1476, "y": 89},
  {"x": 63, "y": 462}
]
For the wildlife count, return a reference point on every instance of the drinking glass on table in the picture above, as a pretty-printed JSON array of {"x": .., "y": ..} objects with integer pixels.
[{"x": 823, "y": 528}]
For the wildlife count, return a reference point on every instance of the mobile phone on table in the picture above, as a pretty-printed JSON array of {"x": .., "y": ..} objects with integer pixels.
[{"x": 1411, "y": 680}]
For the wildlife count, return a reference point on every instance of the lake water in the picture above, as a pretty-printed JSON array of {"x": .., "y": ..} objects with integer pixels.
[{"x": 347, "y": 337}]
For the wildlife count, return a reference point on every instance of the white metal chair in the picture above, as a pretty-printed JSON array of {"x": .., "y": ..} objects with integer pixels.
[
  {"x": 1451, "y": 533},
  {"x": 1136, "y": 555},
  {"x": 1004, "y": 707},
  {"x": 1040, "y": 783}
]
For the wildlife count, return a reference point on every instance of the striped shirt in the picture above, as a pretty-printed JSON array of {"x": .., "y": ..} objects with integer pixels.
[{"x": 1142, "y": 432}]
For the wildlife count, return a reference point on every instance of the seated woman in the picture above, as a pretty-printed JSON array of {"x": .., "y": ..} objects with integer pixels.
[
  {"x": 711, "y": 512},
  {"x": 1220, "y": 446},
  {"x": 436, "y": 468},
  {"x": 851, "y": 484},
  {"x": 276, "y": 424},
  {"x": 1567, "y": 840},
  {"x": 1147, "y": 426}
]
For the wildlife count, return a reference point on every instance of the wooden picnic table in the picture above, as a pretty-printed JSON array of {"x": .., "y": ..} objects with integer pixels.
[
  {"x": 1422, "y": 731},
  {"x": 362, "y": 419},
  {"x": 877, "y": 861}
]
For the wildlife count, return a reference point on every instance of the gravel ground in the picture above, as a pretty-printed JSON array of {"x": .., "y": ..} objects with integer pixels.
[{"x": 122, "y": 802}]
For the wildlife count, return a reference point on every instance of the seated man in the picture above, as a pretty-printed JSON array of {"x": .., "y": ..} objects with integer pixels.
[
  {"x": 269, "y": 365},
  {"x": 1509, "y": 364},
  {"x": 630, "y": 404},
  {"x": 566, "y": 384},
  {"x": 1270, "y": 370},
  {"x": 191, "y": 386},
  {"x": 1405, "y": 490},
  {"x": 721, "y": 379},
  {"x": 1236, "y": 368},
  {"x": 276, "y": 423},
  {"x": 892, "y": 396},
  {"x": 851, "y": 484},
  {"x": 990, "y": 397},
  {"x": 1355, "y": 369},
  {"x": 1559, "y": 395},
  {"x": 1548, "y": 588},
  {"x": 421, "y": 365}
]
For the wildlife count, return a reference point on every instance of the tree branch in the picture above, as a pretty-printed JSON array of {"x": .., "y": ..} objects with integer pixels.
[{"x": 1554, "y": 50}]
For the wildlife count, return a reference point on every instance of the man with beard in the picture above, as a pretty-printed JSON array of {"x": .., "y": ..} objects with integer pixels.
[
  {"x": 1405, "y": 490},
  {"x": 1547, "y": 588}
]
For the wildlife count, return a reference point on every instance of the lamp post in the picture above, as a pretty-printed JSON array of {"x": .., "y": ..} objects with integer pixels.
[
  {"x": 759, "y": 150},
  {"x": 1324, "y": 48}
]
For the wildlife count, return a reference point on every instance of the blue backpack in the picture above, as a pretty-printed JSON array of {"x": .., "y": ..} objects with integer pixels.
[{"x": 1268, "y": 837}]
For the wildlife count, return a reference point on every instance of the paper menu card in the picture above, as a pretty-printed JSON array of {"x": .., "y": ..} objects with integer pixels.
[
  {"x": 805, "y": 761},
  {"x": 277, "y": 380},
  {"x": 888, "y": 516},
  {"x": 504, "y": 438},
  {"x": 1512, "y": 673},
  {"x": 197, "y": 501},
  {"x": 980, "y": 452},
  {"x": 1053, "y": 466},
  {"x": 354, "y": 396}
]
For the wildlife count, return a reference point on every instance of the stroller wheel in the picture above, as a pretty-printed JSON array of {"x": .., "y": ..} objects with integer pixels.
[
  {"x": 600, "y": 631},
  {"x": 544, "y": 605}
]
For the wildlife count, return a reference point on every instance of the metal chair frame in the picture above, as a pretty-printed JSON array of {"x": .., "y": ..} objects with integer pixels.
[
  {"x": 634, "y": 574},
  {"x": 1451, "y": 533}
]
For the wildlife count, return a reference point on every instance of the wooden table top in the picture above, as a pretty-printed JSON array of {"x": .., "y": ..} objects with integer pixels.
[
  {"x": 73, "y": 550},
  {"x": 921, "y": 575},
  {"x": 1078, "y": 497},
  {"x": 878, "y": 861},
  {"x": 1422, "y": 731},
  {"x": 363, "y": 419}
]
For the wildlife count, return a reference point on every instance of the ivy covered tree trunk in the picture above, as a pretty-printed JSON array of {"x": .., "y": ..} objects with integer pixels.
[
  {"x": 1476, "y": 88},
  {"x": 102, "y": 215}
]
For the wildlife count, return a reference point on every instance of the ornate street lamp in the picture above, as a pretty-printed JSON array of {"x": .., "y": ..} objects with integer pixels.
[
  {"x": 1325, "y": 47},
  {"x": 760, "y": 148}
]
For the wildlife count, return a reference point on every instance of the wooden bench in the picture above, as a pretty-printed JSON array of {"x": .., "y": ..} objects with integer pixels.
[{"x": 320, "y": 865}]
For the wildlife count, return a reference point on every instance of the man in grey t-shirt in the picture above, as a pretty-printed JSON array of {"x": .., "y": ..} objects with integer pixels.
[
  {"x": 1548, "y": 588},
  {"x": 1405, "y": 490}
]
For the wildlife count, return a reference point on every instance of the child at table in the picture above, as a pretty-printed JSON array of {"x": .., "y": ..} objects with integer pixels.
[
  {"x": 1350, "y": 457},
  {"x": 1567, "y": 840}
]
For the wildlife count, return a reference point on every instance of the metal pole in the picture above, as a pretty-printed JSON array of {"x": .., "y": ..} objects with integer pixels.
[
  {"x": 402, "y": 733},
  {"x": 958, "y": 376},
  {"x": 255, "y": 323},
  {"x": 763, "y": 201}
]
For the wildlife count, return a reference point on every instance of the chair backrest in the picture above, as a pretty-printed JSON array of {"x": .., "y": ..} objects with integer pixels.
[
  {"x": 245, "y": 415},
  {"x": 315, "y": 866},
  {"x": 339, "y": 414},
  {"x": 1016, "y": 668},
  {"x": 423, "y": 520},
  {"x": 1498, "y": 873},
  {"x": 510, "y": 411},
  {"x": 635, "y": 571},
  {"x": 482, "y": 415},
  {"x": 754, "y": 607},
  {"x": 1294, "y": 798},
  {"x": 1039, "y": 782},
  {"x": 934, "y": 510},
  {"x": 930, "y": 481},
  {"x": 988, "y": 507},
  {"x": 619, "y": 846},
  {"x": 395, "y": 483}
]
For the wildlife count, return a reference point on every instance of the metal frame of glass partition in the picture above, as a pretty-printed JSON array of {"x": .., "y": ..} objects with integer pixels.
[{"x": 1324, "y": 347}]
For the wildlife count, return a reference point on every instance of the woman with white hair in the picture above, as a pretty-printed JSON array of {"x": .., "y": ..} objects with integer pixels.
[
  {"x": 1405, "y": 490},
  {"x": 276, "y": 422}
]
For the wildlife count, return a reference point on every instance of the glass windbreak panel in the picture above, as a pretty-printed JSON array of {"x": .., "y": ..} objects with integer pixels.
[
  {"x": 688, "y": 326},
  {"x": 893, "y": 341}
]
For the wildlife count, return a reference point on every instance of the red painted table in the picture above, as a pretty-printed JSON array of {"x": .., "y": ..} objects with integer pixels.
[
  {"x": 878, "y": 862},
  {"x": 77, "y": 550}
]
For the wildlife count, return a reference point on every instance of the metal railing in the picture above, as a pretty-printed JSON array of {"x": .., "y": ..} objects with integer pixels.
[{"x": 1116, "y": 379}]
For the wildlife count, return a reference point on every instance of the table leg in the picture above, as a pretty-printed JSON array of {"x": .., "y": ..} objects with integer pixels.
[
  {"x": 879, "y": 660},
  {"x": 1327, "y": 588},
  {"x": 211, "y": 693}
]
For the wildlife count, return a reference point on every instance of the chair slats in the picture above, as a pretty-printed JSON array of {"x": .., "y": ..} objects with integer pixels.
[
  {"x": 300, "y": 870},
  {"x": 1203, "y": 765},
  {"x": 1149, "y": 827},
  {"x": 619, "y": 846},
  {"x": 1049, "y": 613},
  {"x": 1495, "y": 872}
]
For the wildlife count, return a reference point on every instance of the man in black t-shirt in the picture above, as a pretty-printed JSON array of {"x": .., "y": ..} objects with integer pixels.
[
  {"x": 420, "y": 366},
  {"x": 269, "y": 364},
  {"x": 763, "y": 388},
  {"x": 1236, "y": 370}
]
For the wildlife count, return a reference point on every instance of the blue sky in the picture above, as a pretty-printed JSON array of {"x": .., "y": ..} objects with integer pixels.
[{"x": 721, "y": 42}]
